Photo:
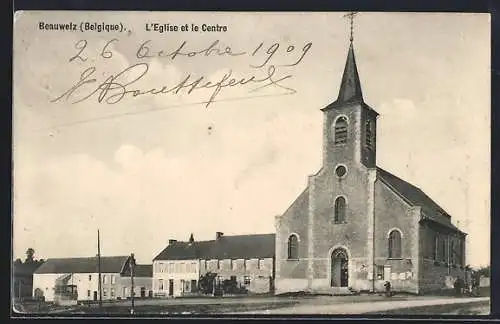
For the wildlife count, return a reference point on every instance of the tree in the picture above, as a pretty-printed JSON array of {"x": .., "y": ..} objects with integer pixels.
[
  {"x": 30, "y": 253},
  {"x": 484, "y": 271},
  {"x": 18, "y": 261},
  {"x": 206, "y": 282}
]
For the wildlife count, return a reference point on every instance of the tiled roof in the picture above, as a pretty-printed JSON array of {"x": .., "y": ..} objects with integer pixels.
[
  {"x": 231, "y": 247},
  {"x": 140, "y": 270},
  {"x": 109, "y": 264},
  {"x": 432, "y": 211}
]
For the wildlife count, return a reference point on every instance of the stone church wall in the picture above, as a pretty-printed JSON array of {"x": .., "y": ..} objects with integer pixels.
[
  {"x": 351, "y": 235},
  {"x": 435, "y": 275},
  {"x": 392, "y": 212},
  {"x": 291, "y": 274}
]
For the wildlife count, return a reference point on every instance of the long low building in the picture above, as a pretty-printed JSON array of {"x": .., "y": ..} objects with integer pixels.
[
  {"x": 77, "y": 279},
  {"x": 246, "y": 259}
]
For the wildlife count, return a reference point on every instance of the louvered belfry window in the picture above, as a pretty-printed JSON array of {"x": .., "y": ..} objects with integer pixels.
[{"x": 341, "y": 130}]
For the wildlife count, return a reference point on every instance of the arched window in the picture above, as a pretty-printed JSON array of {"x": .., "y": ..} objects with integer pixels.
[
  {"x": 293, "y": 247},
  {"x": 394, "y": 244},
  {"x": 339, "y": 210},
  {"x": 341, "y": 130}
]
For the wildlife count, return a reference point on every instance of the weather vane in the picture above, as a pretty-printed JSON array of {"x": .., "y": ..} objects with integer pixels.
[{"x": 351, "y": 18}]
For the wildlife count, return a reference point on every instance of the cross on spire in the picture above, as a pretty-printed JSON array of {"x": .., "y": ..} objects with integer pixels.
[{"x": 351, "y": 16}]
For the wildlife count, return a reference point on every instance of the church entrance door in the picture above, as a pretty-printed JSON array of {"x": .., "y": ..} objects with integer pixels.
[{"x": 339, "y": 268}]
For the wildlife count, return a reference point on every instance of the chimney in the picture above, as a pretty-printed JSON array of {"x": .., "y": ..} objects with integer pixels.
[
  {"x": 218, "y": 235},
  {"x": 171, "y": 241}
]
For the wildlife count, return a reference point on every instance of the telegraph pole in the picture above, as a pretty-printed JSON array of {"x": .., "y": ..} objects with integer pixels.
[
  {"x": 132, "y": 266},
  {"x": 99, "y": 267}
]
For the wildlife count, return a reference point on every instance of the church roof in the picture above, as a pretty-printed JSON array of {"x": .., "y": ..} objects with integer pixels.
[
  {"x": 415, "y": 196},
  {"x": 230, "y": 247},
  {"x": 109, "y": 264}
]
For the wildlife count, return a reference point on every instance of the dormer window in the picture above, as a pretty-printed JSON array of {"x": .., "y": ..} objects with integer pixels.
[{"x": 341, "y": 130}]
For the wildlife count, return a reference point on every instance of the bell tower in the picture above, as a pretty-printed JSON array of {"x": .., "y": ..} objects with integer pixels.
[{"x": 349, "y": 125}]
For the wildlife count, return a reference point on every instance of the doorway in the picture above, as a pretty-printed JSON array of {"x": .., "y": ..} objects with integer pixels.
[
  {"x": 170, "y": 287},
  {"x": 143, "y": 292},
  {"x": 339, "y": 268},
  {"x": 95, "y": 295}
]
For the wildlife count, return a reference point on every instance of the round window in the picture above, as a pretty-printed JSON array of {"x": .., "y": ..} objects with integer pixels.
[{"x": 340, "y": 171}]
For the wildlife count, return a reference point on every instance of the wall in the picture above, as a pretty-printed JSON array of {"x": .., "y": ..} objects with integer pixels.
[
  {"x": 293, "y": 221},
  {"x": 257, "y": 271},
  {"x": 312, "y": 214},
  {"x": 85, "y": 287},
  {"x": 124, "y": 286},
  {"x": 45, "y": 282},
  {"x": 484, "y": 281},
  {"x": 353, "y": 234},
  {"x": 393, "y": 212},
  {"x": 440, "y": 273},
  {"x": 176, "y": 270}
]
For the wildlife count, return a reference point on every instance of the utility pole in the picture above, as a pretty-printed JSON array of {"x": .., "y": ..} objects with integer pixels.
[
  {"x": 99, "y": 267},
  {"x": 132, "y": 266}
]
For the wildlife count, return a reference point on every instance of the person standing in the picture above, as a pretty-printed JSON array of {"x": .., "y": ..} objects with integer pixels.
[{"x": 387, "y": 286}]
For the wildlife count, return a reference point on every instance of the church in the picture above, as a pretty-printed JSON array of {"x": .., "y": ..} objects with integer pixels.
[{"x": 356, "y": 226}]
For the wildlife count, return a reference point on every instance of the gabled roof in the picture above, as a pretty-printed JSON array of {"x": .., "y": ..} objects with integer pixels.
[
  {"x": 109, "y": 264},
  {"x": 230, "y": 247},
  {"x": 416, "y": 197},
  {"x": 140, "y": 270}
]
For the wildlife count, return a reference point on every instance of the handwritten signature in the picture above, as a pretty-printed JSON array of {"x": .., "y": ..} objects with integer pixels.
[{"x": 115, "y": 88}]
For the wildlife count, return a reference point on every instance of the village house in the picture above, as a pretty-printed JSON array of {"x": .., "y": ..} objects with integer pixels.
[
  {"x": 246, "y": 259},
  {"x": 355, "y": 225},
  {"x": 77, "y": 279}
]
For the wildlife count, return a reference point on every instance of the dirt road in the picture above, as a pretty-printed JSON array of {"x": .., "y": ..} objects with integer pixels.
[{"x": 370, "y": 307}]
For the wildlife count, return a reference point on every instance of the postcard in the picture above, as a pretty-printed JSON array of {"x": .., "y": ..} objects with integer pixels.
[{"x": 321, "y": 163}]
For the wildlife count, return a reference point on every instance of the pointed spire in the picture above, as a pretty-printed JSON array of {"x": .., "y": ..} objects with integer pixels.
[
  {"x": 350, "y": 87},
  {"x": 191, "y": 239}
]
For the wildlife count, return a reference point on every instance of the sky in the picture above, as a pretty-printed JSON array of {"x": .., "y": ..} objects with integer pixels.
[{"x": 151, "y": 168}]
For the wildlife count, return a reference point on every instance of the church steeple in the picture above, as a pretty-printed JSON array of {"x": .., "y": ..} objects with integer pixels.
[
  {"x": 350, "y": 125},
  {"x": 350, "y": 87}
]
